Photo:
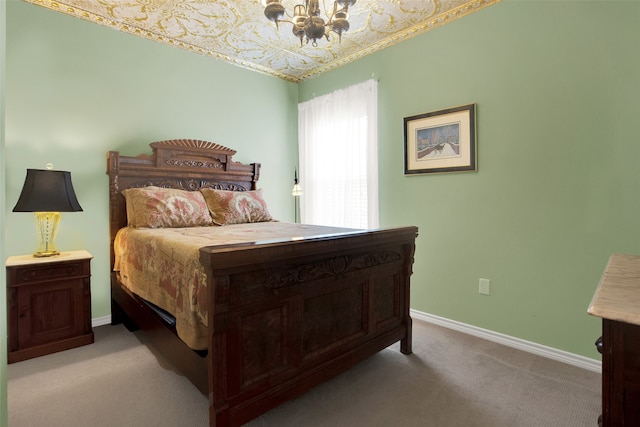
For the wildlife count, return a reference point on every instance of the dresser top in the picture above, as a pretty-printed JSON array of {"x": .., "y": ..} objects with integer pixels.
[
  {"x": 13, "y": 261},
  {"x": 618, "y": 294}
]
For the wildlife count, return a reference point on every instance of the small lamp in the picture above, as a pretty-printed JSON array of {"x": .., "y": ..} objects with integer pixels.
[
  {"x": 296, "y": 192},
  {"x": 47, "y": 193}
]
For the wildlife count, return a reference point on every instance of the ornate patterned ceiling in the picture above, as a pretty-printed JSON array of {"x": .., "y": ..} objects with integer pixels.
[{"x": 236, "y": 31}]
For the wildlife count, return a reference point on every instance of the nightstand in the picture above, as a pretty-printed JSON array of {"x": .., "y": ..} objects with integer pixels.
[
  {"x": 49, "y": 304},
  {"x": 617, "y": 302}
]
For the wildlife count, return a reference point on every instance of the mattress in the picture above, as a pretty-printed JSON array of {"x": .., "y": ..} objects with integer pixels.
[{"x": 162, "y": 265}]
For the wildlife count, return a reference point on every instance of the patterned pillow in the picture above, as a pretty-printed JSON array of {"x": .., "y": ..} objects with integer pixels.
[
  {"x": 156, "y": 207},
  {"x": 236, "y": 207}
]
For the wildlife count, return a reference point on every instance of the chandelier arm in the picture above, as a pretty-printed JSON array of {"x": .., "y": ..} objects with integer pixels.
[
  {"x": 286, "y": 21},
  {"x": 324, "y": 6}
]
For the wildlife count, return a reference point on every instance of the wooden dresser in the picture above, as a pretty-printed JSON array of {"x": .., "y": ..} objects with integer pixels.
[{"x": 617, "y": 302}]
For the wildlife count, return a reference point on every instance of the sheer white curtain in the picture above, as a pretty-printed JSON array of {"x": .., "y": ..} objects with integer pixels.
[{"x": 338, "y": 149}]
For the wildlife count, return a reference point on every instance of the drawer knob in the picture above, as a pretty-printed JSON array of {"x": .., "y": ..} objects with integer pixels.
[{"x": 599, "y": 345}]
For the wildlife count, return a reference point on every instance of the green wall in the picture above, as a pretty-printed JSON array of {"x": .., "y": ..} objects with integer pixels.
[
  {"x": 3, "y": 288},
  {"x": 556, "y": 86}
]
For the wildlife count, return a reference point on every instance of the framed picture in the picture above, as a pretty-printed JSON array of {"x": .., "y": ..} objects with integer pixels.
[{"x": 441, "y": 141}]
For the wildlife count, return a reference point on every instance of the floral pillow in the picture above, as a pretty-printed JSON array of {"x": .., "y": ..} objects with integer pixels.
[
  {"x": 236, "y": 207},
  {"x": 156, "y": 207}
]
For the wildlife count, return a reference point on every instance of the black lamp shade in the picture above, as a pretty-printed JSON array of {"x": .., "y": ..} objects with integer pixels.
[{"x": 47, "y": 191}]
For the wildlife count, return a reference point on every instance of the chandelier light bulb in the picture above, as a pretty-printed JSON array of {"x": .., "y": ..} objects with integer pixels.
[
  {"x": 273, "y": 10},
  {"x": 346, "y": 3},
  {"x": 340, "y": 24}
]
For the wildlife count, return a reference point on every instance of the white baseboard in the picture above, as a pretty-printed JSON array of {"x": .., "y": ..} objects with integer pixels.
[
  {"x": 99, "y": 321},
  {"x": 528, "y": 346}
]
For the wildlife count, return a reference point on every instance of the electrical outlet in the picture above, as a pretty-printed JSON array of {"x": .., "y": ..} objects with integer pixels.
[{"x": 484, "y": 287}]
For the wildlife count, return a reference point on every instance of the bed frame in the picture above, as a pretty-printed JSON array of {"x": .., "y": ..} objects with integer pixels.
[{"x": 283, "y": 315}]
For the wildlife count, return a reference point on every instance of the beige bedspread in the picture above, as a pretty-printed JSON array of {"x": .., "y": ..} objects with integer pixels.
[{"x": 162, "y": 266}]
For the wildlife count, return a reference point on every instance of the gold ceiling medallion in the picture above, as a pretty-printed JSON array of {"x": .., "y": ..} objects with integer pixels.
[{"x": 306, "y": 21}]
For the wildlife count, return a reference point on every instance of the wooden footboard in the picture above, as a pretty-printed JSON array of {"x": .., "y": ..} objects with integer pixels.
[{"x": 287, "y": 315}]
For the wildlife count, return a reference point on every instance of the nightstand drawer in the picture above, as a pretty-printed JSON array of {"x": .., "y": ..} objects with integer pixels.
[{"x": 17, "y": 276}]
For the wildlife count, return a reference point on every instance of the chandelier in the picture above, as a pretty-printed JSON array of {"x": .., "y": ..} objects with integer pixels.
[{"x": 307, "y": 24}]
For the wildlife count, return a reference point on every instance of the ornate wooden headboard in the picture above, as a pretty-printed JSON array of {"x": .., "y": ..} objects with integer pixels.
[{"x": 188, "y": 164}]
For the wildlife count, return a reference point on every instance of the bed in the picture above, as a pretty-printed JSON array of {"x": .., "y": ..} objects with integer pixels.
[{"x": 283, "y": 314}]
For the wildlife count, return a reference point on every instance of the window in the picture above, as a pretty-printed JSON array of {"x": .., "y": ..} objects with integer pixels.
[{"x": 338, "y": 149}]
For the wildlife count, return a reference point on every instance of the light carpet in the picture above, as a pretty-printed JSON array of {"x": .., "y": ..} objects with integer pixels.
[{"x": 452, "y": 379}]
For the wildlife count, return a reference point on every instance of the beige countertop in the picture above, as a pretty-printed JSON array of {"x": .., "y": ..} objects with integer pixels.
[
  {"x": 17, "y": 260},
  {"x": 618, "y": 294}
]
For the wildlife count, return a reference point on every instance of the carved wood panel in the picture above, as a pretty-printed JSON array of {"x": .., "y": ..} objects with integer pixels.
[
  {"x": 264, "y": 338},
  {"x": 387, "y": 300},
  {"x": 331, "y": 319}
]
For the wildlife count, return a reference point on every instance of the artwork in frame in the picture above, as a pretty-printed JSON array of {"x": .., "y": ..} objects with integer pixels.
[{"x": 441, "y": 141}]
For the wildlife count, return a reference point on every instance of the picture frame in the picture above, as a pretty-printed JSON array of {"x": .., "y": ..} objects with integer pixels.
[{"x": 441, "y": 141}]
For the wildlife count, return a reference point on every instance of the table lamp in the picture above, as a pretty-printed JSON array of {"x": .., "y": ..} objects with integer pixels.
[{"x": 47, "y": 193}]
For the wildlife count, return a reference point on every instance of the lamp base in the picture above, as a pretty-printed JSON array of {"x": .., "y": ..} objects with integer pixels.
[
  {"x": 46, "y": 226},
  {"x": 45, "y": 254}
]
